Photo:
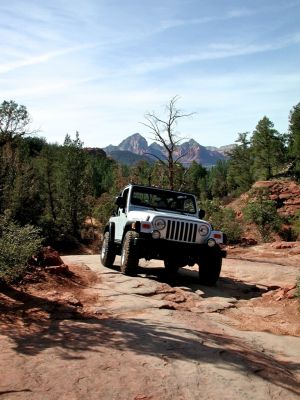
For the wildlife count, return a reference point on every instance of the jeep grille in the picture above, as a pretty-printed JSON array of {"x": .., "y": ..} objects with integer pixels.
[{"x": 181, "y": 231}]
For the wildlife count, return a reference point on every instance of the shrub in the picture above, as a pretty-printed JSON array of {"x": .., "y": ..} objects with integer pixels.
[
  {"x": 223, "y": 219},
  {"x": 263, "y": 214},
  {"x": 17, "y": 245}
]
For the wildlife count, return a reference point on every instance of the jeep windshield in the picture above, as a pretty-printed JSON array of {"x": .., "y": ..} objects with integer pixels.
[{"x": 163, "y": 199}]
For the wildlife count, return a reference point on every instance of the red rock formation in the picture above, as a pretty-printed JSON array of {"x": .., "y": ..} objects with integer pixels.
[{"x": 285, "y": 192}]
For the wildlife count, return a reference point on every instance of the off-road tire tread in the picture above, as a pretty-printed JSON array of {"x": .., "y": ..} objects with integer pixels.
[
  {"x": 131, "y": 260},
  {"x": 109, "y": 252}
]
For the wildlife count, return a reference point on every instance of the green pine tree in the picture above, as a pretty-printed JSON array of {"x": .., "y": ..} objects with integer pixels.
[
  {"x": 267, "y": 150},
  {"x": 73, "y": 185},
  {"x": 218, "y": 179},
  {"x": 240, "y": 177}
]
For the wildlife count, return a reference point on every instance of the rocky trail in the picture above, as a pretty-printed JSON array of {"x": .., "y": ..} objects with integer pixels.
[{"x": 89, "y": 332}]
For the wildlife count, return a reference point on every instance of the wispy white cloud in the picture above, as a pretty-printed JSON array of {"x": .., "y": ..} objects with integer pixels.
[
  {"x": 240, "y": 12},
  {"x": 215, "y": 51},
  {"x": 234, "y": 13},
  {"x": 42, "y": 58}
]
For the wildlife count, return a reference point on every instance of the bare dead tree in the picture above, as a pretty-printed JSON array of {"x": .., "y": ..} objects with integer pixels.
[{"x": 163, "y": 132}]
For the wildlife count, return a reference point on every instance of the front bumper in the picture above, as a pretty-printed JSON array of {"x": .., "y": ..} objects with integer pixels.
[{"x": 160, "y": 249}]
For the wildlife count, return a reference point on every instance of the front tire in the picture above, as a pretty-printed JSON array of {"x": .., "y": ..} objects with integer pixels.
[
  {"x": 129, "y": 254},
  {"x": 210, "y": 264},
  {"x": 108, "y": 251}
]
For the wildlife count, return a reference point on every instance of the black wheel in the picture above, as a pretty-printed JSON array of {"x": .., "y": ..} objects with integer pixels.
[
  {"x": 108, "y": 251},
  {"x": 129, "y": 254},
  {"x": 210, "y": 264}
]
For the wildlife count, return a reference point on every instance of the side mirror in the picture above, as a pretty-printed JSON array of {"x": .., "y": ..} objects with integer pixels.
[
  {"x": 120, "y": 202},
  {"x": 201, "y": 213}
]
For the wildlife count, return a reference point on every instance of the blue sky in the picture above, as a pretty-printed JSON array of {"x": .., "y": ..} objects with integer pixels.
[{"x": 97, "y": 66}]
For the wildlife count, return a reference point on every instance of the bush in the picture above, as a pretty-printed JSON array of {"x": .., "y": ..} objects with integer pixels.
[
  {"x": 263, "y": 214},
  {"x": 223, "y": 219},
  {"x": 17, "y": 245}
]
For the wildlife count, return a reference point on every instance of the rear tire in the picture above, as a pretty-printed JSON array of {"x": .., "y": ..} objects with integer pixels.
[
  {"x": 129, "y": 254},
  {"x": 108, "y": 251},
  {"x": 210, "y": 264}
]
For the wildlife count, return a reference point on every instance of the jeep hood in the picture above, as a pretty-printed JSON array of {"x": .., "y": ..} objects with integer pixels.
[{"x": 148, "y": 215}]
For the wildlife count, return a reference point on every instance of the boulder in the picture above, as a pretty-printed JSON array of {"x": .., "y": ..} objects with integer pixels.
[{"x": 49, "y": 257}]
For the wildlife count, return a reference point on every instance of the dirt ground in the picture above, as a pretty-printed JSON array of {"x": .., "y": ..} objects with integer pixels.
[{"x": 88, "y": 332}]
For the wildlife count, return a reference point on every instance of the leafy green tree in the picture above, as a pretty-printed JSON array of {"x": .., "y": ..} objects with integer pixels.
[
  {"x": 240, "y": 176},
  {"x": 14, "y": 121},
  {"x": 14, "y": 125},
  {"x": 267, "y": 150},
  {"x": 294, "y": 139}
]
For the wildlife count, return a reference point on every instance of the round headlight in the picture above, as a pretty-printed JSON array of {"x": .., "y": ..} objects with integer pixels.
[
  {"x": 203, "y": 230},
  {"x": 159, "y": 224},
  {"x": 211, "y": 242}
]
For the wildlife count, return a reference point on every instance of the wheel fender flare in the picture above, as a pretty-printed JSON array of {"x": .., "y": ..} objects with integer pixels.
[
  {"x": 111, "y": 229},
  {"x": 128, "y": 227}
]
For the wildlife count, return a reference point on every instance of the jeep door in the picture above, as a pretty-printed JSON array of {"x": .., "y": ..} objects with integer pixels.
[{"x": 121, "y": 218}]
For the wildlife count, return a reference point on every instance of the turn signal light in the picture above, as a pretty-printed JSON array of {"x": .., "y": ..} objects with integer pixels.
[{"x": 145, "y": 225}]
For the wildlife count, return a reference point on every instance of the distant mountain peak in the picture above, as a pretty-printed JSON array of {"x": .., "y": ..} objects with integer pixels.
[
  {"x": 134, "y": 136},
  {"x": 192, "y": 142},
  {"x": 135, "y": 143},
  {"x": 187, "y": 151}
]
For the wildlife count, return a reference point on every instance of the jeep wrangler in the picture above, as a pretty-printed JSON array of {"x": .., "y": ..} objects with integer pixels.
[{"x": 154, "y": 223}]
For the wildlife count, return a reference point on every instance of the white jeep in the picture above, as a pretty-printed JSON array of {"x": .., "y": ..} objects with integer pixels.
[{"x": 154, "y": 223}]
